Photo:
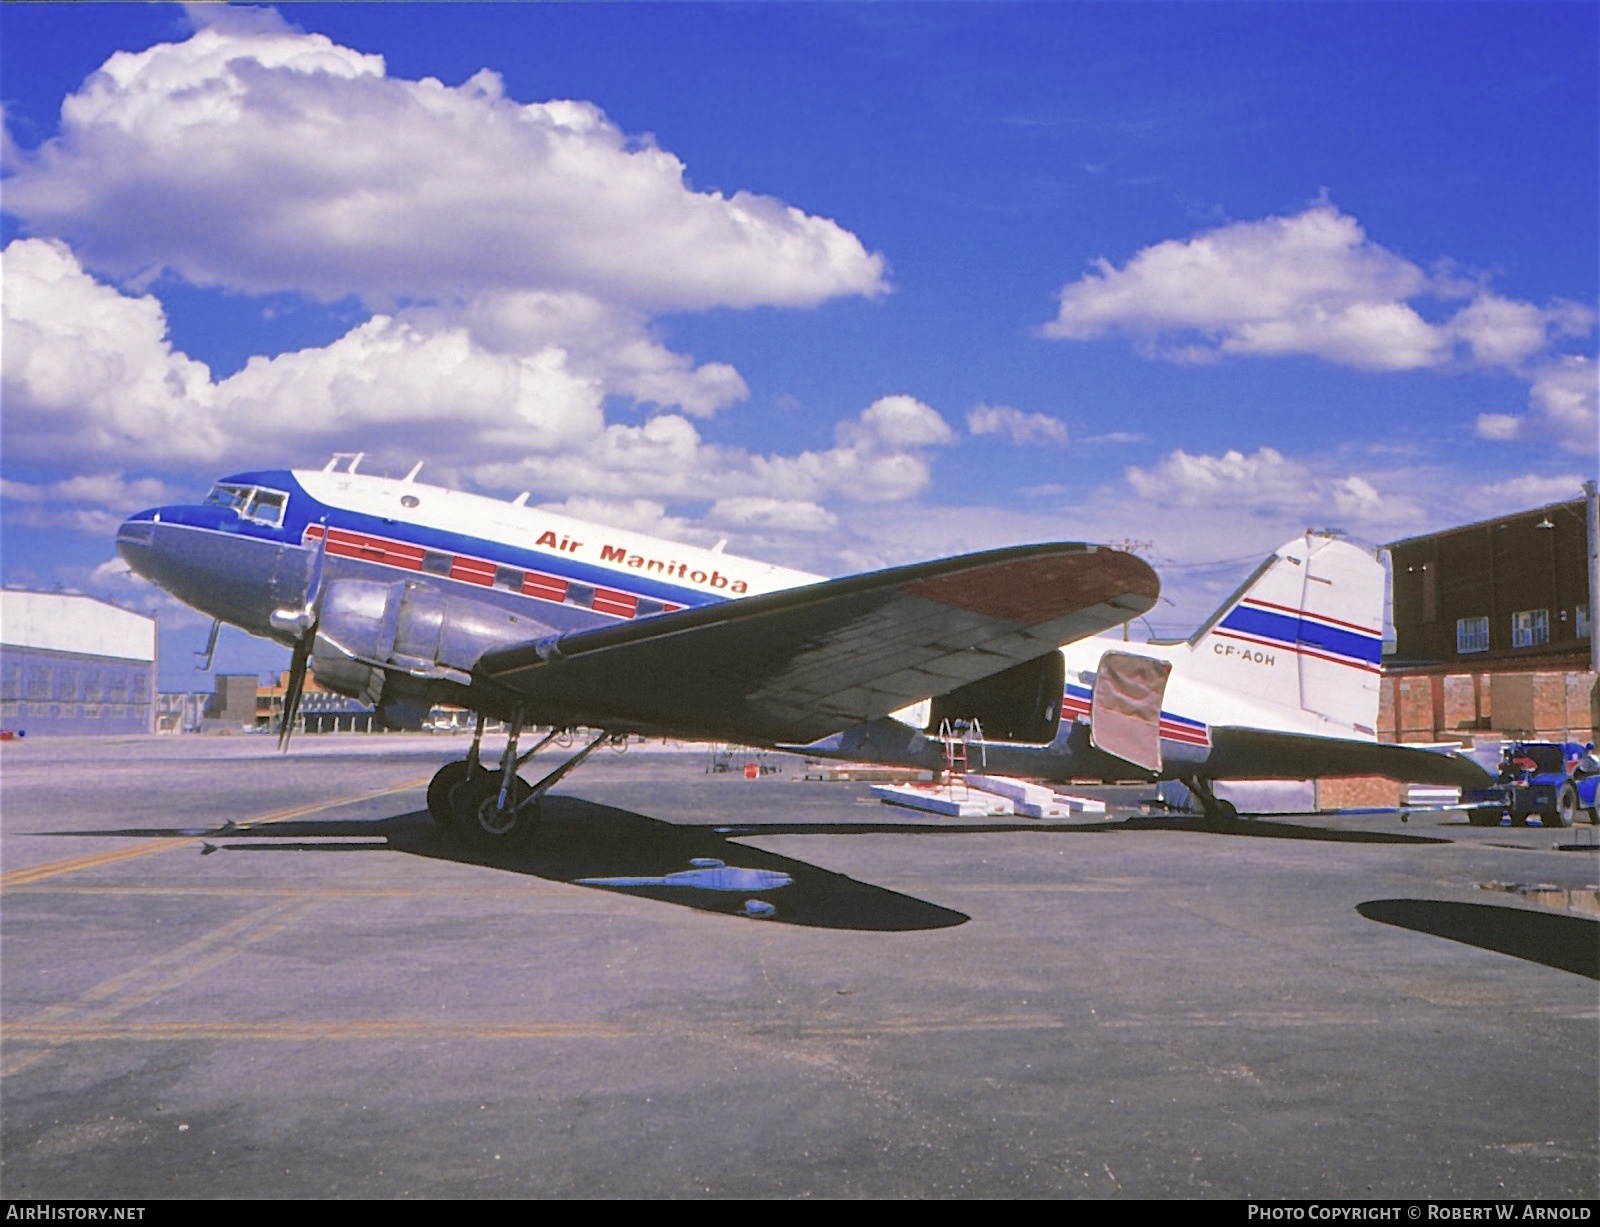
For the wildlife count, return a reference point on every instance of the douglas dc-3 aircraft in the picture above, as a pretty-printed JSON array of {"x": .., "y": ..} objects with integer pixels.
[{"x": 406, "y": 595}]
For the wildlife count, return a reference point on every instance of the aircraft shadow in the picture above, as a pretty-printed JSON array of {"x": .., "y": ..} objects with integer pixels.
[
  {"x": 578, "y": 841},
  {"x": 1564, "y": 942}
]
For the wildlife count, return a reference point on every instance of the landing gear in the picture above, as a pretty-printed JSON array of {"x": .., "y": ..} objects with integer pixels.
[
  {"x": 483, "y": 821},
  {"x": 441, "y": 789},
  {"x": 493, "y": 808},
  {"x": 1217, "y": 813},
  {"x": 1485, "y": 815}
]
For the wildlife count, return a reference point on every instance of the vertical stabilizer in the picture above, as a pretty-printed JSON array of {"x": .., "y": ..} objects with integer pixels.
[{"x": 1304, "y": 634}]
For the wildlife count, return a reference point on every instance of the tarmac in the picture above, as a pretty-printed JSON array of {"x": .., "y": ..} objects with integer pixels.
[{"x": 228, "y": 973}]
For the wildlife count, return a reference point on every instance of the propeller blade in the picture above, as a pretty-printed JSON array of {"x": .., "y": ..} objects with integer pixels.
[
  {"x": 314, "y": 584},
  {"x": 295, "y": 687}
]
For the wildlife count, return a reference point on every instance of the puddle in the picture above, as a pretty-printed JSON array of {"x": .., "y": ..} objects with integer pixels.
[
  {"x": 1582, "y": 899},
  {"x": 708, "y": 874}
]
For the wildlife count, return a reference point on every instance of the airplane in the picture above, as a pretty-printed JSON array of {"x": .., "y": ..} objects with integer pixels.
[
  {"x": 405, "y": 595},
  {"x": 1280, "y": 682}
]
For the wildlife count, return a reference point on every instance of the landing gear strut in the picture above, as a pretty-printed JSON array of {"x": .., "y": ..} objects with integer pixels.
[
  {"x": 493, "y": 809},
  {"x": 1217, "y": 812}
]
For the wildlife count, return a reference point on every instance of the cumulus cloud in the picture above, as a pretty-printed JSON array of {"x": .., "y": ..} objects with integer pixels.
[
  {"x": 792, "y": 515},
  {"x": 1315, "y": 284},
  {"x": 1309, "y": 284},
  {"x": 881, "y": 456},
  {"x": 89, "y": 372},
  {"x": 1021, "y": 428},
  {"x": 1499, "y": 426},
  {"x": 1266, "y": 481},
  {"x": 260, "y": 158}
]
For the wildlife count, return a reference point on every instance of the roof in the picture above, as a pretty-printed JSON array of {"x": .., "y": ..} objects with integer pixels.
[
  {"x": 1575, "y": 505},
  {"x": 66, "y": 622}
]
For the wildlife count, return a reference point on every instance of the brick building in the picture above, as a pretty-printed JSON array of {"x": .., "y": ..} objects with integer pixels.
[{"x": 1493, "y": 624}]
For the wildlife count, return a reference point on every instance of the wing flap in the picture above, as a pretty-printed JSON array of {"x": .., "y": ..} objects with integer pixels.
[{"x": 795, "y": 665}]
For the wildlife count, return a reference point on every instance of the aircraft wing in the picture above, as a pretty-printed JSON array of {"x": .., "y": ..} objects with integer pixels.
[
  {"x": 1242, "y": 753},
  {"x": 795, "y": 665}
]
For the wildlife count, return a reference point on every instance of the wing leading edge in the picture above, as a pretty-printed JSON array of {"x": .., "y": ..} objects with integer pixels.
[{"x": 795, "y": 665}]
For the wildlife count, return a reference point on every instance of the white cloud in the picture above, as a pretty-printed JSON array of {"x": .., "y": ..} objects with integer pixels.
[
  {"x": 880, "y": 457},
  {"x": 791, "y": 515},
  {"x": 88, "y": 372},
  {"x": 1499, "y": 426},
  {"x": 1021, "y": 428},
  {"x": 1309, "y": 284},
  {"x": 334, "y": 178},
  {"x": 1266, "y": 481},
  {"x": 1566, "y": 396}
]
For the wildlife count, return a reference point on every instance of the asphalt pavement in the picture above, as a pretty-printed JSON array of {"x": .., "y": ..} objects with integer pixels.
[{"x": 229, "y": 973}]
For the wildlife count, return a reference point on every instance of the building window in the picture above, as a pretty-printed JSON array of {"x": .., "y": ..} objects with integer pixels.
[
  {"x": 1472, "y": 635},
  {"x": 1583, "y": 621},
  {"x": 1530, "y": 628}
]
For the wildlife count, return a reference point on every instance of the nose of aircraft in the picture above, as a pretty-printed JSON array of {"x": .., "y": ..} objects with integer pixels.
[{"x": 136, "y": 541}]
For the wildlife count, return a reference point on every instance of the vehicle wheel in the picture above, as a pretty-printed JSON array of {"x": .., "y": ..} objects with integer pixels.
[
  {"x": 1485, "y": 815},
  {"x": 1519, "y": 818},
  {"x": 442, "y": 787},
  {"x": 479, "y": 819},
  {"x": 1566, "y": 807}
]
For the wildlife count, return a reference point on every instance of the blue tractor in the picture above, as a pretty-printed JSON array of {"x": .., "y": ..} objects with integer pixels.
[{"x": 1556, "y": 782}]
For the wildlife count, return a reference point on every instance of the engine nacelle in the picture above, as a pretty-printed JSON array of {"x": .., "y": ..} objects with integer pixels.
[
  {"x": 413, "y": 628},
  {"x": 1022, "y": 703}
]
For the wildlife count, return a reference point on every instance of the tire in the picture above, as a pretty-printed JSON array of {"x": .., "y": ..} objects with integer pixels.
[
  {"x": 1567, "y": 807},
  {"x": 442, "y": 787},
  {"x": 1485, "y": 815},
  {"x": 476, "y": 814}
]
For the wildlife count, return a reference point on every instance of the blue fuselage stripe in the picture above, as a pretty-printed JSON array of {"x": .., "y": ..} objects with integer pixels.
[{"x": 1295, "y": 632}]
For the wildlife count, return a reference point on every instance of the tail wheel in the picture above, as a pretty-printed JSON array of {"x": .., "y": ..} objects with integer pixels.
[
  {"x": 479, "y": 817},
  {"x": 1567, "y": 806}
]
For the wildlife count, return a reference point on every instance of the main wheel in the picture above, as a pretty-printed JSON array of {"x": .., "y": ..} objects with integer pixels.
[
  {"x": 1485, "y": 815},
  {"x": 1567, "y": 807},
  {"x": 443, "y": 786},
  {"x": 479, "y": 819}
]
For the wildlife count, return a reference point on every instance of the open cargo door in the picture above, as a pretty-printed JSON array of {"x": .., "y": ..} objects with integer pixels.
[{"x": 1125, "y": 709}]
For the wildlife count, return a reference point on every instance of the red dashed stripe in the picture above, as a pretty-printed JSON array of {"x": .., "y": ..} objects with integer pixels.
[
  {"x": 472, "y": 570},
  {"x": 618, "y": 604},
  {"x": 545, "y": 587},
  {"x": 343, "y": 543}
]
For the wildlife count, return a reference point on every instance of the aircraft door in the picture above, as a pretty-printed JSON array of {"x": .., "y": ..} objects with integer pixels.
[{"x": 1125, "y": 708}]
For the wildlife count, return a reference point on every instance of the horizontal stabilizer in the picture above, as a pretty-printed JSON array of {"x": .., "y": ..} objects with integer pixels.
[{"x": 1259, "y": 754}]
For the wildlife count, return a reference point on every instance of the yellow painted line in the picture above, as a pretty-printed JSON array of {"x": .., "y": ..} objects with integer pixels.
[
  {"x": 52, "y": 869},
  {"x": 54, "y": 1033}
]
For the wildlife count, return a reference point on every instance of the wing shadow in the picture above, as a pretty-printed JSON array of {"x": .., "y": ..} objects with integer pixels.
[
  {"x": 578, "y": 839},
  {"x": 1567, "y": 943}
]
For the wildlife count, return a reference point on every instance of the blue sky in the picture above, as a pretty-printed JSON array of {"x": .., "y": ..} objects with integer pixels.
[{"x": 847, "y": 284}]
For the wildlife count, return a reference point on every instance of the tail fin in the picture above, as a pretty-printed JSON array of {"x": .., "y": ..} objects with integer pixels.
[{"x": 1303, "y": 633}]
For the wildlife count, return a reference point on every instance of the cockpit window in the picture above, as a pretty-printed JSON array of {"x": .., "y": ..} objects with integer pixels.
[
  {"x": 261, "y": 506},
  {"x": 228, "y": 496},
  {"x": 266, "y": 507}
]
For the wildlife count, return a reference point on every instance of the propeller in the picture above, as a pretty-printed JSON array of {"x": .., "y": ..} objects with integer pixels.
[{"x": 303, "y": 622}]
